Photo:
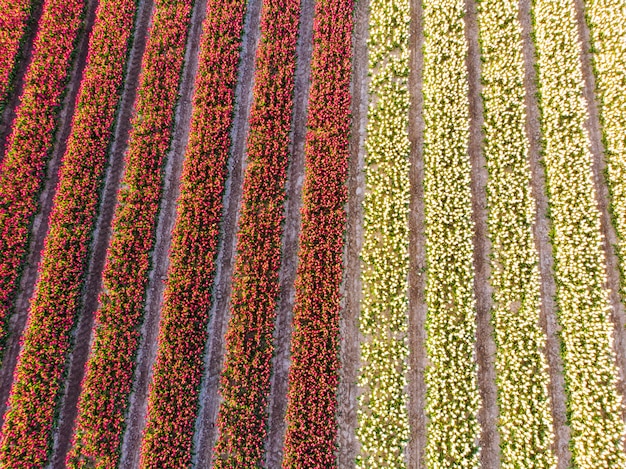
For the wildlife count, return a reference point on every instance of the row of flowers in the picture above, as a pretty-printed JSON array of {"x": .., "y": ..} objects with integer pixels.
[
  {"x": 452, "y": 398},
  {"x": 174, "y": 391},
  {"x": 525, "y": 422},
  {"x": 382, "y": 412},
  {"x": 245, "y": 379},
  {"x": 57, "y": 294},
  {"x": 311, "y": 435},
  {"x": 23, "y": 167},
  {"x": 594, "y": 406},
  {"x": 109, "y": 370},
  {"x": 15, "y": 16}
]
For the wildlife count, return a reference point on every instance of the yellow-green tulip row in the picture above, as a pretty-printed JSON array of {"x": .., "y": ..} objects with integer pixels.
[
  {"x": 594, "y": 406},
  {"x": 382, "y": 413},
  {"x": 452, "y": 398},
  {"x": 525, "y": 423}
]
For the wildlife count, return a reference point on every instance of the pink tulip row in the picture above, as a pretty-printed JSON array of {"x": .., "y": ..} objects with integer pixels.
[
  {"x": 23, "y": 167},
  {"x": 310, "y": 440},
  {"x": 110, "y": 367},
  {"x": 174, "y": 391},
  {"x": 14, "y": 21},
  {"x": 245, "y": 377}
]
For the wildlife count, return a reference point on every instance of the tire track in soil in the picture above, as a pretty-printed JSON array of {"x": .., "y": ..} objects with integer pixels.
[
  {"x": 347, "y": 444},
  {"x": 101, "y": 236},
  {"x": 418, "y": 360},
  {"x": 24, "y": 58},
  {"x": 209, "y": 400},
  {"x": 488, "y": 414},
  {"x": 543, "y": 242},
  {"x": 138, "y": 402},
  {"x": 39, "y": 226},
  {"x": 277, "y": 400},
  {"x": 594, "y": 127}
]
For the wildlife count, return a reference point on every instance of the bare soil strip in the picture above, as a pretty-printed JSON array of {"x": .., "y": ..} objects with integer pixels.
[
  {"x": 24, "y": 58},
  {"x": 82, "y": 334},
  {"x": 138, "y": 402},
  {"x": 418, "y": 360},
  {"x": 209, "y": 400},
  {"x": 347, "y": 392},
  {"x": 544, "y": 247},
  {"x": 594, "y": 127},
  {"x": 39, "y": 227},
  {"x": 488, "y": 413},
  {"x": 277, "y": 400}
]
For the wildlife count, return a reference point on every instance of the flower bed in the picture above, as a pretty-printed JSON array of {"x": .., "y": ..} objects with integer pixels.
[
  {"x": 594, "y": 406},
  {"x": 382, "y": 406},
  {"x": 110, "y": 367},
  {"x": 245, "y": 380},
  {"x": 174, "y": 390},
  {"x": 452, "y": 397},
  {"x": 311, "y": 434}
]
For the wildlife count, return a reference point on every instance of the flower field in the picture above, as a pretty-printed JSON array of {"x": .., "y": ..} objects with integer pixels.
[{"x": 161, "y": 200}]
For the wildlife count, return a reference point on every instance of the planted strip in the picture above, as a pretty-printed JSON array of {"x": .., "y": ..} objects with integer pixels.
[
  {"x": 580, "y": 269},
  {"x": 110, "y": 367},
  {"x": 525, "y": 422},
  {"x": 382, "y": 406},
  {"x": 452, "y": 397},
  {"x": 311, "y": 435},
  {"x": 245, "y": 380},
  {"x": 174, "y": 390}
]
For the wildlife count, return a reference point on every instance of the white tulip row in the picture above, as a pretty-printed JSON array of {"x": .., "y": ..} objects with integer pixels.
[
  {"x": 597, "y": 429},
  {"x": 452, "y": 398},
  {"x": 606, "y": 20},
  {"x": 382, "y": 413},
  {"x": 525, "y": 423}
]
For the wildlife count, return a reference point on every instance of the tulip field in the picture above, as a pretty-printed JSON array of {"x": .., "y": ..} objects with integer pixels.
[{"x": 455, "y": 296}]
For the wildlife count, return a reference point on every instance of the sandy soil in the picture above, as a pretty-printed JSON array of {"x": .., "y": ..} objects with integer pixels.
[
  {"x": 544, "y": 247},
  {"x": 206, "y": 431},
  {"x": 594, "y": 127},
  {"x": 488, "y": 413},
  {"x": 101, "y": 235},
  {"x": 23, "y": 61},
  {"x": 39, "y": 228},
  {"x": 277, "y": 400},
  {"x": 417, "y": 250},
  {"x": 138, "y": 403},
  {"x": 348, "y": 445}
]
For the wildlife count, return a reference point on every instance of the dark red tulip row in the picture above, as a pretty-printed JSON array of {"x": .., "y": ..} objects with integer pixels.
[
  {"x": 15, "y": 16},
  {"x": 110, "y": 367},
  {"x": 174, "y": 391},
  {"x": 310, "y": 440},
  {"x": 23, "y": 167},
  {"x": 245, "y": 379}
]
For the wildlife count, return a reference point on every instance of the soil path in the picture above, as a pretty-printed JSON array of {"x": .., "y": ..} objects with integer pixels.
[
  {"x": 348, "y": 445},
  {"x": 39, "y": 227},
  {"x": 488, "y": 413},
  {"x": 101, "y": 236},
  {"x": 209, "y": 400},
  {"x": 137, "y": 408},
  {"x": 277, "y": 401},
  {"x": 17, "y": 86},
  {"x": 544, "y": 246},
  {"x": 594, "y": 127},
  {"x": 418, "y": 360}
]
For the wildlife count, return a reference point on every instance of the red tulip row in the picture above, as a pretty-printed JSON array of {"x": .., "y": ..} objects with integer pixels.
[
  {"x": 64, "y": 259},
  {"x": 245, "y": 380},
  {"x": 14, "y": 22},
  {"x": 110, "y": 367},
  {"x": 23, "y": 168},
  {"x": 174, "y": 391},
  {"x": 310, "y": 440}
]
